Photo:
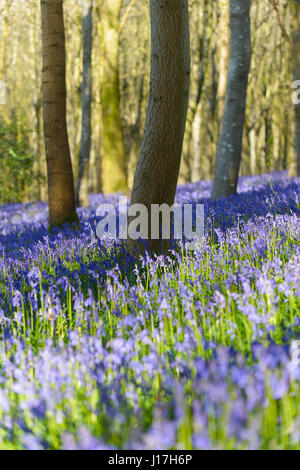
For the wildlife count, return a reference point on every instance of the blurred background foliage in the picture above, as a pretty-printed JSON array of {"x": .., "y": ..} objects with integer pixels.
[{"x": 19, "y": 176}]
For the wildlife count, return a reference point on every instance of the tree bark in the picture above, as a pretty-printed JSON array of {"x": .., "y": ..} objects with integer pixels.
[
  {"x": 160, "y": 155},
  {"x": 223, "y": 59},
  {"x": 191, "y": 115},
  {"x": 230, "y": 148},
  {"x": 82, "y": 186},
  {"x": 59, "y": 167},
  {"x": 114, "y": 176},
  {"x": 39, "y": 162},
  {"x": 296, "y": 75}
]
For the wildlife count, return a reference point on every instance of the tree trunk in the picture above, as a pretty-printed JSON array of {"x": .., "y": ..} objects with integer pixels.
[
  {"x": 230, "y": 149},
  {"x": 252, "y": 149},
  {"x": 296, "y": 74},
  {"x": 113, "y": 158},
  {"x": 160, "y": 155},
  {"x": 223, "y": 59},
  {"x": 59, "y": 167},
  {"x": 192, "y": 111},
  {"x": 82, "y": 186},
  {"x": 135, "y": 131},
  {"x": 37, "y": 104}
]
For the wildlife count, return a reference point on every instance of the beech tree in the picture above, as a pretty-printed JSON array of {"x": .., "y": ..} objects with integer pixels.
[
  {"x": 59, "y": 167},
  {"x": 223, "y": 31},
  {"x": 296, "y": 75},
  {"x": 82, "y": 186},
  {"x": 113, "y": 157},
  {"x": 159, "y": 160},
  {"x": 230, "y": 147}
]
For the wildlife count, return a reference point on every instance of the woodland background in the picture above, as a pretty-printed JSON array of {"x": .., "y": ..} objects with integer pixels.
[{"x": 120, "y": 72}]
